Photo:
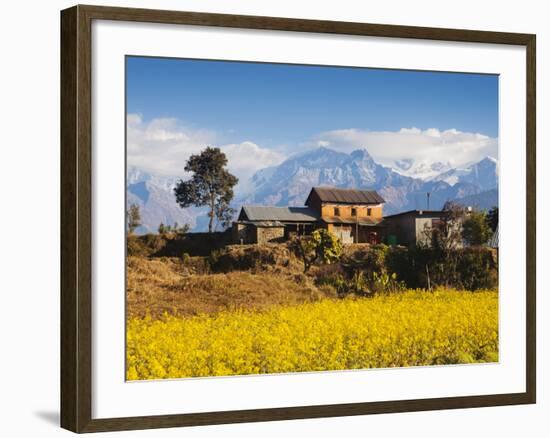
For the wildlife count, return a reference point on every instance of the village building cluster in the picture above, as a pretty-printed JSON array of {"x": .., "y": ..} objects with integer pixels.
[{"x": 354, "y": 216}]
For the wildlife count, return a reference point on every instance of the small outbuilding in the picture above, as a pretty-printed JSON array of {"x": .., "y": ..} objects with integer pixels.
[
  {"x": 411, "y": 228},
  {"x": 261, "y": 224},
  {"x": 258, "y": 232}
]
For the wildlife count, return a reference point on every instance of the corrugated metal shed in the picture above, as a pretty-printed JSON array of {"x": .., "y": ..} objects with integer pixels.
[
  {"x": 283, "y": 214},
  {"x": 346, "y": 196}
]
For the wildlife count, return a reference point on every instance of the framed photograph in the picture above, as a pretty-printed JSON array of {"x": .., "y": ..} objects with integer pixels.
[{"x": 270, "y": 218}]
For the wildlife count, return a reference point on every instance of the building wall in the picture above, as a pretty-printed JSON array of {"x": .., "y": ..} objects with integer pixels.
[
  {"x": 425, "y": 225},
  {"x": 370, "y": 234},
  {"x": 270, "y": 235},
  {"x": 327, "y": 210},
  {"x": 299, "y": 229},
  {"x": 423, "y": 230},
  {"x": 410, "y": 230},
  {"x": 343, "y": 231},
  {"x": 244, "y": 233},
  {"x": 403, "y": 228},
  {"x": 315, "y": 202}
]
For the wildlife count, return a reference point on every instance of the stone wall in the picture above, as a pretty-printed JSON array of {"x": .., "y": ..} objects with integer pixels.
[
  {"x": 243, "y": 233},
  {"x": 270, "y": 234}
]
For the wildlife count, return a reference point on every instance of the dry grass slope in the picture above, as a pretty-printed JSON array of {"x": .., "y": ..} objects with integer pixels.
[{"x": 165, "y": 285}]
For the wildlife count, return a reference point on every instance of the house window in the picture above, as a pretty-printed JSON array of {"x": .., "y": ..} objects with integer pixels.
[
  {"x": 336, "y": 211},
  {"x": 353, "y": 211},
  {"x": 369, "y": 211}
]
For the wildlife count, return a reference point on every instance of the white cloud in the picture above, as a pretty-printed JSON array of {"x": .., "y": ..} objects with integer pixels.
[
  {"x": 450, "y": 146},
  {"x": 245, "y": 158},
  {"x": 162, "y": 147}
]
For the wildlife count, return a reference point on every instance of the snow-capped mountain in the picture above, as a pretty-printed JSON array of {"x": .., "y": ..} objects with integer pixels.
[
  {"x": 290, "y": 182},
  {"x": 155, "y": 197},
  {"x": 422, "y": 169},
  {"x": 483, "y": 173}
]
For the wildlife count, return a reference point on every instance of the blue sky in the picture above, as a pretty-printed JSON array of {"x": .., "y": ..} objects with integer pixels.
[
  {"x": 282, "y": 108},
  {"x": 283, "y": 103}
]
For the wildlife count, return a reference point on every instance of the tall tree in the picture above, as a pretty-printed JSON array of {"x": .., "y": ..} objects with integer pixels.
[
  {"x": 224, "y": 213},
  {"x": 475, "y": 229},
  {"x": 444, "y": 237},
  {"x": 446, "y": 234},
  {"x": 133, "y": 216},
  {"x": 210, "y": 185}
]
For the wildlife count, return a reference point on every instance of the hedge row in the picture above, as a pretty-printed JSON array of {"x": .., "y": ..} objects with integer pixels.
[{"x": 468, "y": 268}]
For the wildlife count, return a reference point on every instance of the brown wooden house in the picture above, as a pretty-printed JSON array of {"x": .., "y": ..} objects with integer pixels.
[{"x": 353, "y": 215}]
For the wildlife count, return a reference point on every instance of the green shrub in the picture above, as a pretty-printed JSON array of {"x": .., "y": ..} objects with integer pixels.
[
  {"x": 321, "y": 247},
  {"x": 468, "y": 268},
  {"x": 478, "y": 269},
  {"x": 385, "y": 283},
  {"x": 356, "y": 281},
  {"x": 405, "y": 264},
  {"x": 475, "y": 229},
  {"x": 327, "y": 246},
  {"x": 376, "y": 258},
  {"x": 336, "y": 281},
  {"x": 359, "y": 284}
]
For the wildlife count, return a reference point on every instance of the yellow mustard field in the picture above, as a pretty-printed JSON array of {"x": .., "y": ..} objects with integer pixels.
[{"x": 407, "y": 329}]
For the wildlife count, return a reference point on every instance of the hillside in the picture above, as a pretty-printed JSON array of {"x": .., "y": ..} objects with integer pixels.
[{"x": 172, "y": 285}]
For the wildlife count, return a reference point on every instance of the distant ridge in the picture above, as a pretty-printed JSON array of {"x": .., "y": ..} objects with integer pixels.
[
  {"x": 289, "y": 184},
  {"x": 483, "y": 201}
]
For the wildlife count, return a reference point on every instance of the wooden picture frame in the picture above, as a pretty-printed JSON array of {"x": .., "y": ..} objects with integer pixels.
[{"x": 76, "y": 217}]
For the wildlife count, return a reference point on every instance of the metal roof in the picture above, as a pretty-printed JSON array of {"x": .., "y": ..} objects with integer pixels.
[
  {"x": 351, "y": 221},
  {"x": 263, "y": 224},
  {"x": 346, "y": 196},
  {"x": 283, "y": 214},
  {"x": 423, "y": 213}
]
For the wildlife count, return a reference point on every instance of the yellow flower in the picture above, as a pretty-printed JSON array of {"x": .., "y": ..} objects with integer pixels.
[{"x": 407, "y": 329}]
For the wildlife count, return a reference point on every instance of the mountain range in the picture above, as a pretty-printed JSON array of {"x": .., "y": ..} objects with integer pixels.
[{"x": 404, "y": 185}]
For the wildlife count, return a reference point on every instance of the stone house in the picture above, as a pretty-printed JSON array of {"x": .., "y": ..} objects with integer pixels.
[{"x": 260, "y": 224}]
